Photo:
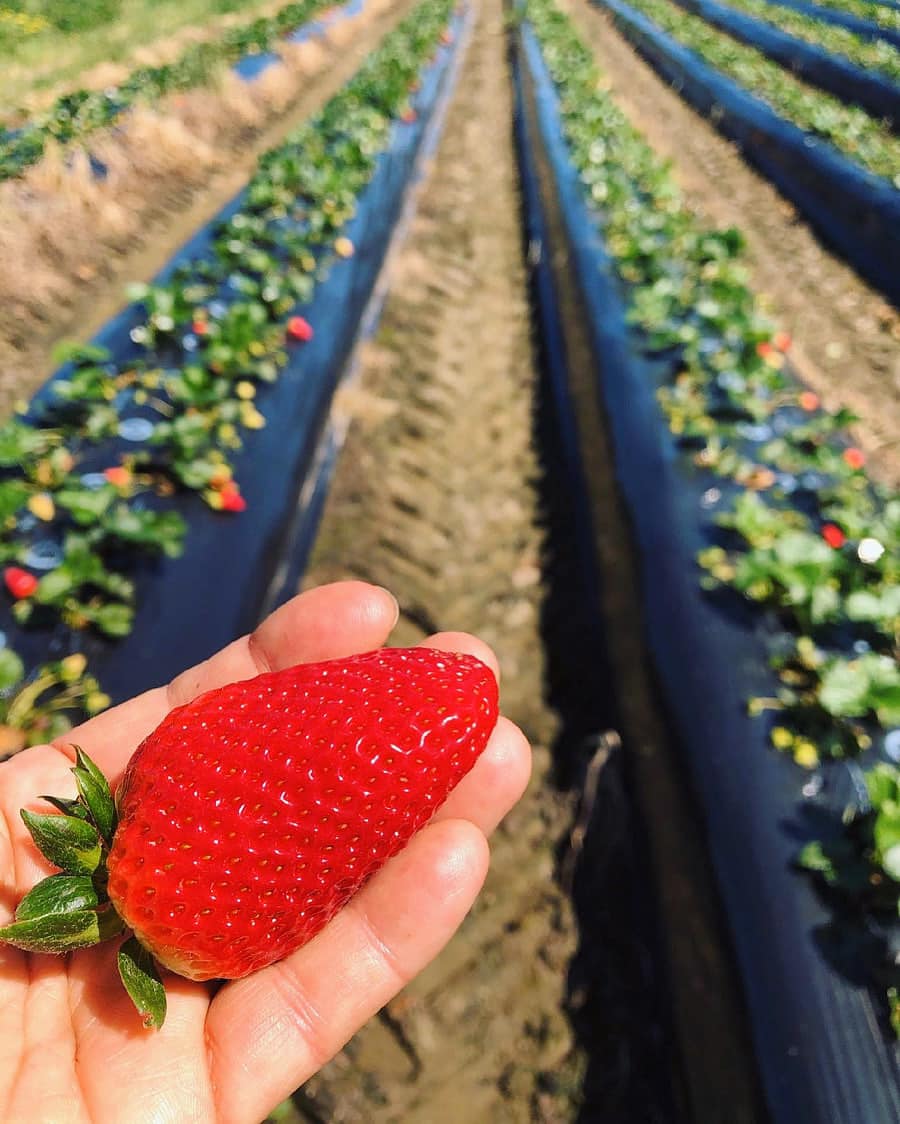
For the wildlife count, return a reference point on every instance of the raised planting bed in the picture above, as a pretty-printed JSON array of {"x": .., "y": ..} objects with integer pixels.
[
  {"x": 769, "y": 570},
  {"x": 851, "y": 83},
  {"x": 871, "y": 21},
  {"x": 161, "y": 490},
  {"x": 854, "y": 211},
  {"x": 75, "y": 115},
  {"x": 870, "y": 54}
]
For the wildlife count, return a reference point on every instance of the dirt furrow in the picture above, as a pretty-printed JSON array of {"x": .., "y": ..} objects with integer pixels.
[{"x": 445, "y": 493}]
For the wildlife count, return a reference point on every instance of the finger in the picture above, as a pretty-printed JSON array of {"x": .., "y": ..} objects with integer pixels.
[
  {"x": 464, "y": 642},
  {"x": 494, "y": 783},
  {"x": 268, "y": 1033},
  {"x": 323, "y": 623}
]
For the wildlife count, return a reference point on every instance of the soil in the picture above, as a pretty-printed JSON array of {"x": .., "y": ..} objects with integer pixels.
[
  {"x": 545, "y": 1007},
  {"x": 846, "y": 336},
  {"x": 28, "y": 334}
]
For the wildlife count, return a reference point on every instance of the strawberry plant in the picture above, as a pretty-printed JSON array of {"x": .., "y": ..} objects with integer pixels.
[
  {"x": 851, "y": 130},
  {"x": 870, "y": 54},
  {"x": 76, "y": 512},
  {"x": 808, "y": 539},
  {"x": 870, "y": 10},
  {"x": 76, "y": 114},
  {"x": 312, "y": 796},
  {"x": 38, "y": 708},
  {"x": 860, "y": 867}
]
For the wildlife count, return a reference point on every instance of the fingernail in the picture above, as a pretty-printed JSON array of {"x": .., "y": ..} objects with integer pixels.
[{"x": 396, "y": 604}]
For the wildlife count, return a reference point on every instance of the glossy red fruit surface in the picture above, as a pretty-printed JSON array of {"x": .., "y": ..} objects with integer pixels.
[
  {"x": 251, "y": 815},
  {"x": 19, "y": 582},
  {"x": 299, "y": 329}
]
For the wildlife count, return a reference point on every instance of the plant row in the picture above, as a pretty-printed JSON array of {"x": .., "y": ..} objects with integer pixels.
[
  {"x": 74, "y": 115},
  {"x": 89, "y": 475},
  {"x": 809, "y": 541},
  {"x": 851, "y": 130},
  {"x": 871, "y": 10},
  {"x": 871, "y": 54}
]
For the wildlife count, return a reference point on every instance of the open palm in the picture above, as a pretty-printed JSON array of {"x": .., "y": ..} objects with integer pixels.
[{"x": 72, "y": 1047}]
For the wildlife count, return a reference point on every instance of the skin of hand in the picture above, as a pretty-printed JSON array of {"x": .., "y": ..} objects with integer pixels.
[{"x": 72, "y": 1047}]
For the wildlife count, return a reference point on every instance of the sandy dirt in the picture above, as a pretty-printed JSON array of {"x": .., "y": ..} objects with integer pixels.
[
  {"x": 74, "y": 279},
  {"x": 544, "y": 1007}
]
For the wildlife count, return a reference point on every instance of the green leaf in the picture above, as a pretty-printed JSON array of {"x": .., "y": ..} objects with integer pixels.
[
  {"x": 68, "y": 351},
  {"x": 68, "y": 807},
  {"x": 883, "y": 784},
  {"x": 142, "y": 982},
  {"x": 813, "y": 857},
  {"x": 84, "y": 505},
  {"x": 12, "y": 670},
  {"x": 93, "y": 788},
  {"x": 13, "y": 496},
  {"x": 824, "y": 604},
  {"x": 54, "y": 932},
  {"x": 845, "y": 690},
  {"x": 60, "y": 893},
  {"x": 890, "y": 861},
  {"x": 20, "y": 442},
  {"x": 54, "y": 586},
  {"x": 863, "y": 606},
  {"x": 69, "y": 843},
  {"x": 114, "y": 620}
]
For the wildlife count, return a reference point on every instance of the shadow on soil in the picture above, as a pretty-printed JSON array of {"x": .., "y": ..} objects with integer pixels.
[{"x": 615, "y": 985}]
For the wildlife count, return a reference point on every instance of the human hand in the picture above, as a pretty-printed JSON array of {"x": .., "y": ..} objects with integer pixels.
[{"x": 72, "y": 1047}]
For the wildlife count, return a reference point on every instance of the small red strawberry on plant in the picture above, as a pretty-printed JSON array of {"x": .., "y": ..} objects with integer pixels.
[
  {"x": 833, "y": 535},
  {"x": 19, "y": 582},
  {"x": 118, "y": 475},
  {"x": 251, "y": 815},
  {"x": 409, "y": 115},
  {"x": 299, "y": 329},
  {"x": 231, "y": 497},
  {"x": 854, "y": 458}
]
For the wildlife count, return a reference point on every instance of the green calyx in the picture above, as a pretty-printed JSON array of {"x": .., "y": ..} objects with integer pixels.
[{"x": 72, "y": 910}]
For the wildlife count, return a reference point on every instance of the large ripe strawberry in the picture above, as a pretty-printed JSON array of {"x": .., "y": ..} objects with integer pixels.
[{"x": 250, "y": 816}]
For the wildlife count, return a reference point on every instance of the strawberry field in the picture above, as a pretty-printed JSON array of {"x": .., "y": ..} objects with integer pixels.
[{"x": 574, "y": 324}]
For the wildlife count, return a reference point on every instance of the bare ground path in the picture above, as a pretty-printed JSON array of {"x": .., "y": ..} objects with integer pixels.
[{"x": 445, "y": 493}]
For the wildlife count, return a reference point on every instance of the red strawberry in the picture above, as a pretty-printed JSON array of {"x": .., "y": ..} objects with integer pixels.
[
  {"x": 854, "y": 457},
  {"x": 408, "y": 116},
  {"x": 232, "y": 500},
  {"x": 299, "y": 329},
  {"x": 118, "y": 475},
  {"x": 782, "y": 340},
  {"x": 19, "y": 582},
  {"x": 833, "y": 535},
  {"x": 249, "y": 817}
]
